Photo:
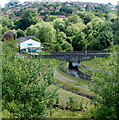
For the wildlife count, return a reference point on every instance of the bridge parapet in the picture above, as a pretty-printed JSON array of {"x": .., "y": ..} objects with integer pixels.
[
  {"x": 75, "y": 57},
  {"x": 78, "y": 52}
]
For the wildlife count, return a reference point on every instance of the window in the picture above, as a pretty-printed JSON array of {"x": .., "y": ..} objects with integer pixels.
[{"x": 30, "y": 44}]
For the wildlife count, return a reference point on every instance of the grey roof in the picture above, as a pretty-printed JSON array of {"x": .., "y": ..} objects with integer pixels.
[{"x": 22, "y": 39}]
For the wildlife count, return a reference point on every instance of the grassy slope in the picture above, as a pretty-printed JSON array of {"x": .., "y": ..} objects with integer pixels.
[
  {"x": 96, "y": 63},
  {"x": 64, "y": 94},
  {"x": 77, "y": 81},
  {"x": 64, "y": 98}
]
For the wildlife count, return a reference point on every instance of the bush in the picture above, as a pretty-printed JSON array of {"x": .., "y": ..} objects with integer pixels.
[
  {"x": 106, "y": 89},
  {"x": 20, "y": 33},
  {"x": 24, "y": 85}
]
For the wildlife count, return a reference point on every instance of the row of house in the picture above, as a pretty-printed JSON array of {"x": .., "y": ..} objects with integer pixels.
[{"x": 28, "y": 5}]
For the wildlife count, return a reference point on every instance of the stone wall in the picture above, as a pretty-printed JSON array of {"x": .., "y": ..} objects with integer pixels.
[{"x": 80, "y": 74}]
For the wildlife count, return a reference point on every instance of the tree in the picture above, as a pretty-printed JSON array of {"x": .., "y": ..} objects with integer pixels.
[
  {"x": 74, "y": 29},
  {"x": 99, "y": 33},
  {"x": 4, "y": 29},
  {"x": 67, "y": 47},
  {"x": 74, "y": 19},
  {"x": 86, "y": 16},
  {"x": 79, "y": 42},
  {"x": 49, "y": 18},
  {"x": 66, "y": 9},
  {"x": 7, "y": 22},
  {"x": 24, "y": 85},
  {"x": 60, "y": 37},
  {"x": 32, "y": 30},
  {"x": 43, "y": 31},
  {"x": 28, "y": 18},
  {"x": 59, "y": 24},
  {"x": 58, "y": 48},
  {"x": 20, "y": 33},
  {"x": 1, "y": 32},
  {"x": 12, "y": 3},
  {"x": 106, "y": 89}
]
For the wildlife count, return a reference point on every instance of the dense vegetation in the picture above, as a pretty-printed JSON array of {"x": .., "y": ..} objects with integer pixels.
[
  {"x": 24, "y": 85},
  {"x": 80, "y": 30},
  {"x": 25, "y": 80},
  {"x": 107, "y": 88}
]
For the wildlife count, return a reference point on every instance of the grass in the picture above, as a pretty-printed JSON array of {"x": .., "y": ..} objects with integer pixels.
[
  {"x": 73, "y": 85},
  {"x": 96, "y": 63},
  {"x": 64, "y": 96}
]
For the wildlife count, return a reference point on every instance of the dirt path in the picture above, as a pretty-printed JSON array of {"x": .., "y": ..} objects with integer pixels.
[{"x": 61, "y": 78}]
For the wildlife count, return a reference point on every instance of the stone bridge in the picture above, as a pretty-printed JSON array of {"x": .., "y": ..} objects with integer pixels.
[
  {"x": 76, "y": 56},
  {"x": 74, "y": 59}
]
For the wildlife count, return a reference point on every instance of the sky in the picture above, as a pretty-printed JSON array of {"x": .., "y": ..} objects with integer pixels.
[{"x": 3, "y": 2}]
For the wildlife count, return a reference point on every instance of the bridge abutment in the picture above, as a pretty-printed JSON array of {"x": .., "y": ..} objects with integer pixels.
[{"x": 74, "y": 65}]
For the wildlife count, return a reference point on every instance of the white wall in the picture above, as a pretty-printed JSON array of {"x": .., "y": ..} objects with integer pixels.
[{"x": 29, "y": 43}]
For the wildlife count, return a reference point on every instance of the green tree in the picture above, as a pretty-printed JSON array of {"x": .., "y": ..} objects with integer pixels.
[
  {"x": 7, "y": 22},
  {"x": 20, "y": 33},
  {"x": 60, "y": 37},
  {"x": 1, "y": 32},
  {"x": 67, "y": 47},
  {"x": 5, "y": 29},
  {"x": 98, "y": 33},
  {"x": 66, "y": 9},
  {"x": 58, "y": 48},
  {"x": 74, "y": 19},
  {"x": 86, "y": 16},
  {"x": 24, "y": 85},
  {"x": 28, "y": 18},
  {"x": 49, "y": 18},
  {"x": 79, "y": 42},
  {"x": 74, "y": 29},
  {"x": 12, "y": 3},
  {"x": 106, "y": 89},
  {"x": 43, "y": 31},
  {"x": 59, "y": 24}
]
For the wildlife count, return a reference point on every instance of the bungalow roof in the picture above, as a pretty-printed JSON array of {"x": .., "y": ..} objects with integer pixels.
[{"x": 22, "y": 39}]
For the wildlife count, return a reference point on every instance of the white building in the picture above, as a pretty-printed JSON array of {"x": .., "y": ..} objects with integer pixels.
[{"x": 30, "y": 46}]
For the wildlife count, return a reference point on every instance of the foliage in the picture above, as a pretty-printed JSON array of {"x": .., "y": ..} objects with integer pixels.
[
  {"x": 60, "y": 37},
  {"x": 29, "y": 17},
  {"x": 106, "y": 89},
  {"x": 67, "y": 46},
  {"x": 12, "y": 3},
  {"x": 49, "y": 18},
  {"x": 66, "y": 10},
  {"x": 4, "y": 29},
  {"x": 24, "y": 85},
  {"x": 6, "y": 22},
  {"x": 59, "y": 24},
  {"x": 43, "y": 31},
  {"x": 74, "y": 19},
  {"x": 72, "y": 103},
  {"x": 20, "y": 33},
  {"x": 79, "y": 42},
  {"x": 91, "y": 29},
  {"x": 74, "y": 29}
]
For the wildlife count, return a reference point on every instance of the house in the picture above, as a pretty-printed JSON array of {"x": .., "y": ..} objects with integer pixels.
[
  {"x": 29, "y": 45},
  {"x": 10, "y": 35}
]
